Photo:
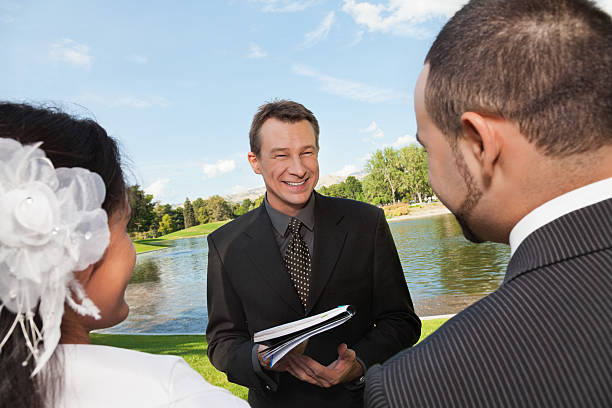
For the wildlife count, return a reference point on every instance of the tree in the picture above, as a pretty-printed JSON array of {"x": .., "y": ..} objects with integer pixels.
[
  {"x": 352, "y": 188},
  {"x": 382, "y": 184},
  {"x": 244, "y": 207},
  {"x": 323, "y": 190},
  {"x": 188, "y": 215},
  {"x": 336, "y": 190},
  {"x": 197, "y": 204},
  {"x": 218, "y": 208},
  {"x": 349, "y": 188},
  {"x": 166, "y": 225},
  {"x": 203, "y": 215},
  {"x": 178, "y": 219},
  {"x": 143, "y": 213},
  {"x": 415, "y": 183},
  {"x": 259, "y": 200}
]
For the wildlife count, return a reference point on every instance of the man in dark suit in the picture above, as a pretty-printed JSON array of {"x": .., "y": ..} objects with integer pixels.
[
  {"x": 350, "y": 259},
  {"x": 514, "y": 107}
]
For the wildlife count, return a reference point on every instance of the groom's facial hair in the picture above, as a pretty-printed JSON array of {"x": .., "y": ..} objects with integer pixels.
[{"x": 472, "y": 198}]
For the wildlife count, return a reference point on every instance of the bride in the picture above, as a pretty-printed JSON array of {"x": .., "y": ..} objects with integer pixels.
[{"x": 65, "y": 261}]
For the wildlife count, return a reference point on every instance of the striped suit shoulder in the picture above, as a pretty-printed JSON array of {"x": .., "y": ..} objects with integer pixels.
[{"x": 541, "y": 339}]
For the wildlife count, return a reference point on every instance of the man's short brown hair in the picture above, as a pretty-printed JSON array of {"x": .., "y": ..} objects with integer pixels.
[
  {"x": 285, "y": 111},
  {"x": 546, "y": 65}
]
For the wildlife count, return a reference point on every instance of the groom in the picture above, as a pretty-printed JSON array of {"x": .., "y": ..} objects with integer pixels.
[
  {"x": 350, "y": 258},
  {"x": 514, "y": 107}
]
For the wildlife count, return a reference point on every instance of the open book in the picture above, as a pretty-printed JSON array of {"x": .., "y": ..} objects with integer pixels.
[{"x": 282, "y": 339}]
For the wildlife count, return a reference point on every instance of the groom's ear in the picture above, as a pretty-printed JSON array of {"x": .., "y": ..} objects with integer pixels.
[
  {"x": 254, "y": 162},
  {"x": 484, "y": 143}
]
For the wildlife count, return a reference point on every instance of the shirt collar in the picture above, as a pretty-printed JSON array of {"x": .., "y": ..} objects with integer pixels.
[
  {"x": 280, "y": 221},
  {"x": 558, "y": 207}
]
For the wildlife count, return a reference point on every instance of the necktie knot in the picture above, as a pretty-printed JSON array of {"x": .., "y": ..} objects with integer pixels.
[{"x": 294, "y": 226}]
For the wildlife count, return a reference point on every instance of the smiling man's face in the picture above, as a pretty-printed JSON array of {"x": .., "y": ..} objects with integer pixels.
[{"x": 288, "y": 162}]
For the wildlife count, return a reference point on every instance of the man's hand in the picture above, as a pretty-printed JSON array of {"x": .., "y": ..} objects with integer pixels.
[
  {"x": 281, "y": 365},
  {"x": 345, "y": 368}
]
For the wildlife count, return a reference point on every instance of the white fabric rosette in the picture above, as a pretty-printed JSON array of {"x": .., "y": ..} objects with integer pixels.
[{"x": 51, "y": 224}]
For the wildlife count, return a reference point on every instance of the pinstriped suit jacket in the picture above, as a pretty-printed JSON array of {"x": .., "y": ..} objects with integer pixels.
[{"x": 543, "y": 339}]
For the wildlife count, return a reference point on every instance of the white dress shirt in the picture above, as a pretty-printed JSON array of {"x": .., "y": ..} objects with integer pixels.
[
  {"x": 558, "y": 207},
  {"x": 103, "y": 376}
]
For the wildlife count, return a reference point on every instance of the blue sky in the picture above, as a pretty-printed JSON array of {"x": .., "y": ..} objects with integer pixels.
[{"x": 179, "y": 82}]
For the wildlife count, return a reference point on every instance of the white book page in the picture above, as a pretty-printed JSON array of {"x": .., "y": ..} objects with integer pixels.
[
  {"x": 279, "y": 352},
  {"x": 292, "y": 327}
]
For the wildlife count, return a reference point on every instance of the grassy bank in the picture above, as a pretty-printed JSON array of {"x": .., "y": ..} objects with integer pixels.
[
  {"x": 195, "y": 231},
  {"x": 146, "y": 245},
  {"x": 405, "y": 210},
  {"x": 193, "y": 350}
]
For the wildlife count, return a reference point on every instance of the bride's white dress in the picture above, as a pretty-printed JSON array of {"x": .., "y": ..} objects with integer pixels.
[{"x": 110, "y": 377}]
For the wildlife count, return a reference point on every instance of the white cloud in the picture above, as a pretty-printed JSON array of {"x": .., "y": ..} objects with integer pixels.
[
  {"x": 357, "y": 39},
  {"x": 158, "y": 188},
  {"x": 404, "y": 141},
  {"x": 374, "y": 132},
  {"x": 137, "y": 59},
  {"x": 284, "y": 6},
  {"x": 349, "y": 89},
  {"x": 606, "y": 5},
  {"x": 221, "y": 167},
  {"x": 347, "y": 171},
  {"x": 71, "y": 52},
  {"x": 320, "y": 32},
  {"x": 400, "y": 17},
  {"x": 255, "y": 51},
  {"x": 371, "y": 127}
]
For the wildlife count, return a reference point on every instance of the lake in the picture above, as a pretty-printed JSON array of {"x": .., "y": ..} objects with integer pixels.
[{"x": 445, "y": 273}]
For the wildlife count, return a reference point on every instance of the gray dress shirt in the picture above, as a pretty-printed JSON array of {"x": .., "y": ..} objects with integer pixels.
[{"x": 280, "y": 222}]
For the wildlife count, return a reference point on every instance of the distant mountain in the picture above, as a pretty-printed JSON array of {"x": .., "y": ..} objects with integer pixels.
[
  {"x": 255, "y": 192},
  {"x": 252, "y": 194}
]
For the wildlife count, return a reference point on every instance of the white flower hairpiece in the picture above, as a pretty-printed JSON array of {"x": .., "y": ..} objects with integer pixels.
[{"x": 51, "y": 224}]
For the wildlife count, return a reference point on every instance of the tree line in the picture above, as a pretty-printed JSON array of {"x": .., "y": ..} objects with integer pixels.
[{"x": 393, "y": 175}]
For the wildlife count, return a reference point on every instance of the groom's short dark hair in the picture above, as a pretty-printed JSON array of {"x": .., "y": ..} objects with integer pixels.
[
  {"x": 544, "y": 64},
  {"x": 285, "y": 111}
]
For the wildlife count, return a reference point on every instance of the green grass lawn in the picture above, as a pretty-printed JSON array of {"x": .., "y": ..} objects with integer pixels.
[
  {"x": 430, "y": 326},
  {"x": 146, "y": 245},
  {"x": 193, "y": 350},
  {"x": 195, "y": 231}
]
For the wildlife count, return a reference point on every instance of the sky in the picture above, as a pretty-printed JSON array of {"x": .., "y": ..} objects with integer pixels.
[{"x": 178, "y": 83}]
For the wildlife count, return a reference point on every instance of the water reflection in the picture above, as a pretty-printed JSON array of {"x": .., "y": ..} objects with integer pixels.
[
  {"x": 444, "y": 272},
  {"x": 145, "y": 271},
  {"x": 176, "y": 303}
]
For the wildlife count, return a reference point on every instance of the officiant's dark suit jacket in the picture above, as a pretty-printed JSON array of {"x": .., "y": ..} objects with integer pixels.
[
  {"x": 543, "y": 339},
  {"x": 354, "y": 262}
]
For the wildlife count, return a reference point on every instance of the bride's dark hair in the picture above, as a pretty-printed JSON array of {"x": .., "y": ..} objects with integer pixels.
[{"x": 68, "y": 142}]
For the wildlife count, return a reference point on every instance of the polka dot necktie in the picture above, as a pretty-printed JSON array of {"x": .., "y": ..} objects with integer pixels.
[{"x": 297, "y": 261}]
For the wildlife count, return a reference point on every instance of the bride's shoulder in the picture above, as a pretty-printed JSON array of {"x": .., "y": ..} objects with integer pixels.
[
  {"x": 106, "y": 356},
  {"x": 140, "y": 378}
]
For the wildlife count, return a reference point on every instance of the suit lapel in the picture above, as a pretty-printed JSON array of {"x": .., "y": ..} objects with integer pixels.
[
  {"x": 262, "y": 249},
  {"x": 329, "y": 237}
]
